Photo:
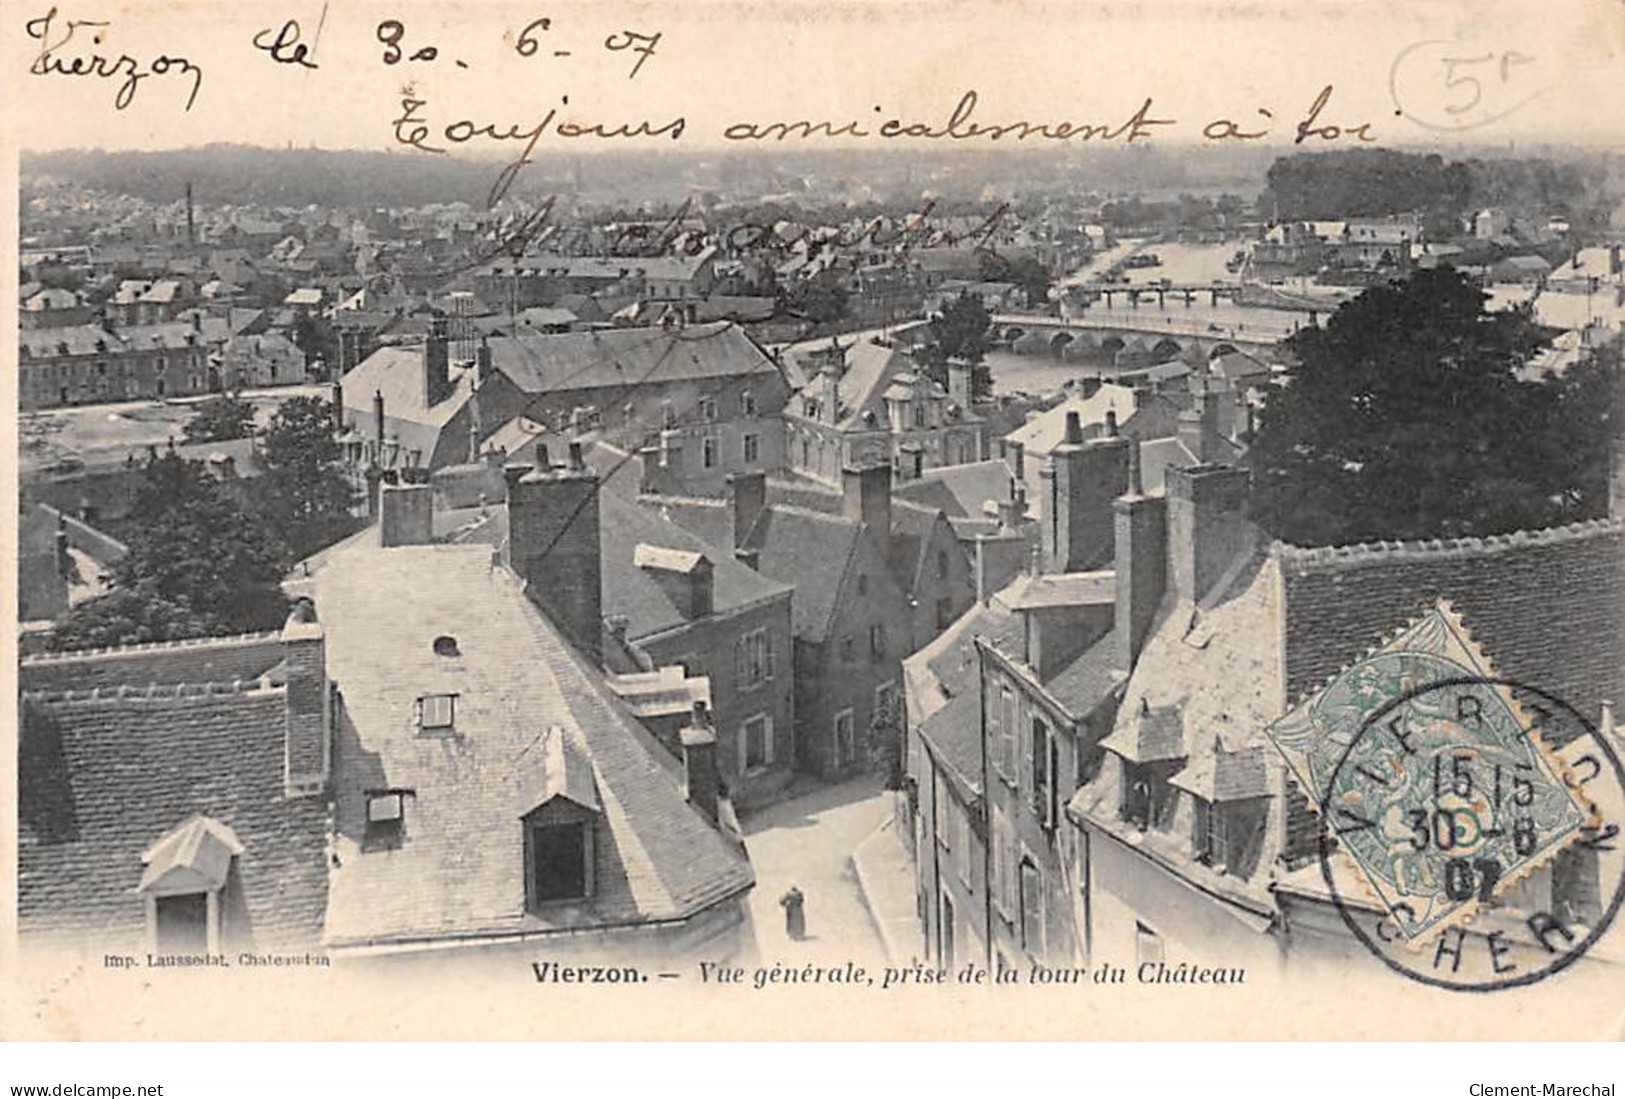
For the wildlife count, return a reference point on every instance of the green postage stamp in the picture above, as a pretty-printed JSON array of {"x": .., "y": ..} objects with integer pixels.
[{"x": 1430, "y": 776}]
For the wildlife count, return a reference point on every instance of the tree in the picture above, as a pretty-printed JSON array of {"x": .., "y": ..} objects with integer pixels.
[
  {"x": 1405, "y": 418},
  {"x": 197, "y": 565},
  {"x": 304, "y": 493},
  {"x": 959, "y": 332},
  {"x": 317, "y": 338},
  {"x": 1032, "y": 277},
  {"x": 888, "y": 753},
  {"x": 818, "y": 300},
  {"x": 222, "y": 418}
]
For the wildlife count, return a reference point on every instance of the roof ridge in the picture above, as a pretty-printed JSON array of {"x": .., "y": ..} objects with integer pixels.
[
  {"x": 157, "y": 692},
  {"x": 814, "y": 513},
  {"x": 67, "y": 656},
  {"x": 1306, "y": 558}
]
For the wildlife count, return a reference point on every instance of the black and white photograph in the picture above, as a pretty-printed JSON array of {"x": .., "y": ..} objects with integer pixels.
[{"x": 839, "y": 520}]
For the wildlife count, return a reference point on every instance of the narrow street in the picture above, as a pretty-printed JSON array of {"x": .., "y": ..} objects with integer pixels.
[{"x": 807, "y": 841}]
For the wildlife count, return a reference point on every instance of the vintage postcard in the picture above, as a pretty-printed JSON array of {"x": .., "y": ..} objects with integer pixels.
[{"x": 831, "y": 519}]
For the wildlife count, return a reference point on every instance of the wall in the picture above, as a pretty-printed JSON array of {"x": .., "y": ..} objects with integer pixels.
[{"x": 706, "y": 647}]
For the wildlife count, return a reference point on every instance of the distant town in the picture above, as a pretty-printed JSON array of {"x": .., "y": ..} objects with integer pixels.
[{"x": 790, "y": 564}]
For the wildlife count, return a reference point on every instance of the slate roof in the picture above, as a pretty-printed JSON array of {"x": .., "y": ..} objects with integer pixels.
[
  {"x": 1066, "y": 589},
  {"x": 1042, "y": 433},
  {"x": 101, "y": 780},
  {"x": 870, "y": 368},
  {"x": 970, "y": 486},
  {"x": 458, "y": 870},
  {"x": 811, "y": 551},
  {"x": 1089, "y": 680},
  {"x": 79, "y": 339},
  {"x": 541, "y": 363}
]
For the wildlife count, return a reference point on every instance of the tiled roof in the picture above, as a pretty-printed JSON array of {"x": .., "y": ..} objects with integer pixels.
[
  {"x": 945, "y": 688},
  {"x": 458, "y": 870},
  {"x": 101, "y": 780},
  {"x": 811, "y": 551},
  {"x": 539, "y": 363}
]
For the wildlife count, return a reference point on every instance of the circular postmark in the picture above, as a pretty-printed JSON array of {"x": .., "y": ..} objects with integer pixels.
[{"x": 1478, "y": 847}]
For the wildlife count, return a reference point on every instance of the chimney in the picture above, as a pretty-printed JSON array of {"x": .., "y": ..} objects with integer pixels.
[
  {"x": 1207, "y": 526},
  {"x": 686, "y": 578},
  {"x": 959, "y": 383},
  {"x": 338, "y": 405},
  {"x": 701, "y": 783},
  {"x": 64, "y": 561},
  {"x": 378, "y": 419},
  {"x": 1013, "y": 512},
  {"x": 1080, "y": 482},
  {"x": 1199, "y": 424},
  {"x": 405, "y": 515},
  {"x": 308, "y": 755},
  {"x": 1016, "y": 458},
  {"x": 866, "y": 499},
  {"x": 482, "y": 363},
  {"x": 747, "y": 495},
  {"x": 553, "y": 545},
  {"x": 436, "y": 364},
  {"x": 911, "y": 461},
  {"x": 1141, "y": 555}
]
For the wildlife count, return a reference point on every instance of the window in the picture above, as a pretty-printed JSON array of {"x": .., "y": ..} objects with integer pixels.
[
  {"x": 877, "y": 639},
  {"x": 1148, "y": 800},
  {"x": 847, "y": 648},
  {"x": 943, "y": 826},
  {"x": 708, "y": 409},
  {"x": 919, "y": 414},
  {"x": 1006, "y": 896},
  {"x": 437, "y": 712},
  {"x": 756, "y": 742},
  {"x": 753, "y": 448},
  {"x": 747, "y": 403},
  {"x": 846, "y": 745},
  {"x": 1207, "y": 833},
  {"x": 1032, "y": 908},
  {"x": 385, "y": 809},
  {"x": 886, "y": 700},
  {"x": 708, "y": 452},
  {"x": 1042, "y": 759},
  {"x": 668, "y": 414},
  {"x": 942, "y": 564},
  {"x": 1005, "y": 757},
  {"x": 182, "y": 923},
  {"x": 753, "y": 660},
  {"x": 560, "y": 865},
  {"x": 1148, "y": 946},
  {"x": 962, "y": 843}
]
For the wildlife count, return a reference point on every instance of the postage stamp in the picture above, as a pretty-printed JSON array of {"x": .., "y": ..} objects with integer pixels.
[{"x": 1442, "y": 799}]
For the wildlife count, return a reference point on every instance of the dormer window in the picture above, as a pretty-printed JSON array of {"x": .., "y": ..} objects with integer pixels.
[
  {"x": 437, "y": 713},
  {"x": 559, "y": 832},
  {"x": 385, "y": 809},
  {"x": 560, "y": 867}
]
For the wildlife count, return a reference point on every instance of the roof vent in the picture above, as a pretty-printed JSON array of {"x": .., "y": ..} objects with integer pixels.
[{"x": 445, "y": 645}]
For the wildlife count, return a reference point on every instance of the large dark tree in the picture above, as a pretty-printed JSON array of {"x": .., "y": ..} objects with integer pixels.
[
  {"x": 1406, "y": 418},
  {"x": 304, "y": 494},
  {"x": 222, "y": 418},
  {"x": 959, "y": 331},
  {"x": 1032, "y": 277},
  {"x": 198, "y": 565}
]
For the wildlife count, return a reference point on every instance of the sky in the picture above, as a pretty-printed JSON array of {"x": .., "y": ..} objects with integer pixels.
[{"x": 1412, "y": 72}]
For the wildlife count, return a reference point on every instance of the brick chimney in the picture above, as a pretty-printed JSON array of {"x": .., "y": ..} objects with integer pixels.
[
  {"x": 866, "y": 499},
  {"x": 1141, "y": 555},
  {"x": 1080, "y": 482},
  {"x": 436, "y": 363},
  {"x": 1015, "y": 456},
  {"x": 308, "y": 756},
  {"x": 701, "y": 782},
  {"x": 832, "y": 375},
  {"x": 378, "y": 420},
  {"x": 405, "y": 515},
  {"x": 338, "y": 405},
  {"x": 1199, "y": 424},
  {"x": 747, "y": 495},
  {"x": 1207, "y": 526},
  {"x": 553, "y": 545}
]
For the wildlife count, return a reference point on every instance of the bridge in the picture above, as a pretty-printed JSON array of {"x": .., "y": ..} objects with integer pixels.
[{"x": 1138, "y": 336}]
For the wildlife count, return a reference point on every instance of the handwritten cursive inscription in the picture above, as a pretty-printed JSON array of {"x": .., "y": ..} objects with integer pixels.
[
  {"x": 285, "y": 47},
  {"x": 53, "y": 35}
]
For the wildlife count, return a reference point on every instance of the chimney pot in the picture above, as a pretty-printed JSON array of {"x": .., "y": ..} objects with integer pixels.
[{"x": 1074, "y": 428}]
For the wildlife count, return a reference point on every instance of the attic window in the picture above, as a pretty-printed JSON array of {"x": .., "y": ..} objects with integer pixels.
[
  {"x": 445, "y": 645},
  {"x": 436, "y": 712},
  {"x": 385, "y": 808}
]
